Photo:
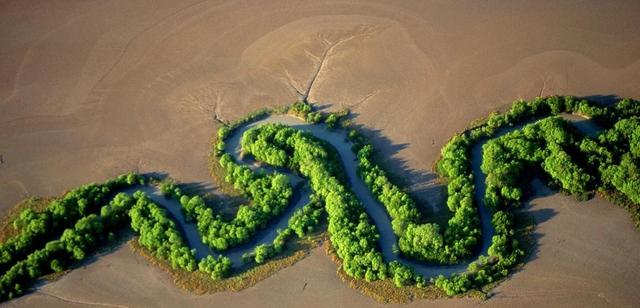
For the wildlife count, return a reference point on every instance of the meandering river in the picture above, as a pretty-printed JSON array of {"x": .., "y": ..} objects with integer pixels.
[{"x": 376, "y": 211}]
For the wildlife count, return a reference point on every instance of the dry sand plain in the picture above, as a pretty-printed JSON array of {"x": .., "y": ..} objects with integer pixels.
[{"x": 91, "y": 89}]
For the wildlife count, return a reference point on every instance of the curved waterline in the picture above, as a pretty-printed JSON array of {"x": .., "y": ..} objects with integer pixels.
[
  {"x": 354, "y": 189},
  {"x": 337, "y": 138}
]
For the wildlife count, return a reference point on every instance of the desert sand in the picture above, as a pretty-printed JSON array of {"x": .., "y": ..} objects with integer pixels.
[{"x": 91, "y": 89}]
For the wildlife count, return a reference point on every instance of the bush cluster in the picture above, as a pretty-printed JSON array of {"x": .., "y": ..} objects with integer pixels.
[
  {"x": 74, "y": 244},
  {"x": 548, "y": 144},
  {"x": 72, "y": 227},
  {"x": 270, "y": 195},
  {"x": 620, "y": 165},
  {"x": 425, "y": 241},
  {"x": 351, "y": 232},
  {"x": 160, "y": 234},
  {"x": 217, "y": 268},
  {"x": 36, "y": 229},
  {"x": 303, "y": 222}
]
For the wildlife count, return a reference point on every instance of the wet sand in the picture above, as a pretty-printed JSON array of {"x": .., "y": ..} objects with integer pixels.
[{"x": 89, "y": 90}]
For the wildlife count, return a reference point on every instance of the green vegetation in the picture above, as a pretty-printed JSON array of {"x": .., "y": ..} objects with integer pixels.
[
  {"x": 160, "y": 234},
  {"x": 306, "y": 220},
  {"x": 545, "y": 144},
  {"x": 425, "y": 241},
  {"x": 218, "y": 268},
  {"x": 270, "y": 195},
  {"x": 551, "y": 145},
  {"x": 351, "y": 233},
  {"x": 200, "y": 282},
  {"x": 622, "y": 172},
  {"x": 303, "y": 222},
  {"x": 43, "y": 237},
  {"x": 74, "y": 244},
  {"x": 7, "y": 228},
  {"x": 35, "y": 228}
]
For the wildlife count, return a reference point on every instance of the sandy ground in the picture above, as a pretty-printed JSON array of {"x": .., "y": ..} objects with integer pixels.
[{"x": 90, "y": 89}]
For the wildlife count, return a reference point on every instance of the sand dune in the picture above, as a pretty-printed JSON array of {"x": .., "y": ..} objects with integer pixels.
[{"x": 91, "y": 89}]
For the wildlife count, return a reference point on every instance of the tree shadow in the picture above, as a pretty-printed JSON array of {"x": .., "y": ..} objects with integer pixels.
[
  {"x": 156, "y": 175},
  {"x": 199, "y": 188},
  {"x": 527, "y": 220},
  {"x": 123, "y": 236},
  {"x": 423, "y": 186},
  {"x": 225, "y": 205},
  {"x": 321, "y": 106},
  {"x": 603, "y": 99}
]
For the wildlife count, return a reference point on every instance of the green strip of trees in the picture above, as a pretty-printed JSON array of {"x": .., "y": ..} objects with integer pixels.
[
  {"x": 36, "y": 229},
  {"x": 74, "y": 226},
  {"x": 270, "y": 195},
  {"x": 75, "y": 244},
  {"x": 352, "y": 234}
]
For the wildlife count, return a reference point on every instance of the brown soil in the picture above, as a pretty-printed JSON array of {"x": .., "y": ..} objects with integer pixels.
[{"x": 91, "y": 89}]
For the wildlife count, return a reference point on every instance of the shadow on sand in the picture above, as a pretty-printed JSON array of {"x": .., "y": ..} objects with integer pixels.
[{"x": 421, "y": 185}]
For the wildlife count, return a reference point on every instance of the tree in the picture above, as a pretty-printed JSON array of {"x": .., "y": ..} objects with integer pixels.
[{"x": 217, "y": 268}]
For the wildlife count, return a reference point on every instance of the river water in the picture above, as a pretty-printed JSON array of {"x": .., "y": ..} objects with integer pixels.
[{"x": 376, "y": 211}]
